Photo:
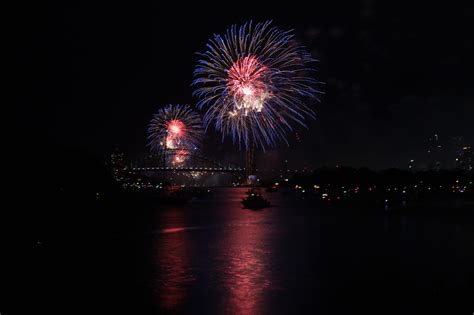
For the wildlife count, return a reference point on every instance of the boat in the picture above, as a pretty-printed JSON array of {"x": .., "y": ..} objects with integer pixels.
[{"x": 255, "y": 201}]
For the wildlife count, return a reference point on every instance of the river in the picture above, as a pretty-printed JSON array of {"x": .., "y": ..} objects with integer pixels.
[{"x": 213, "y": 257}]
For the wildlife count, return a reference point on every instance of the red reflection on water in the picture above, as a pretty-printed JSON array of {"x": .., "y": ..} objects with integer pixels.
[
  {"x": 247, "y": 271},
  {"x": 173, "y": 272},
  {"x": 231, "y": 257}
]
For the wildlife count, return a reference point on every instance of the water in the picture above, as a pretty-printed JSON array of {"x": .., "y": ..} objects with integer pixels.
[{"x": 213, "y": 257}]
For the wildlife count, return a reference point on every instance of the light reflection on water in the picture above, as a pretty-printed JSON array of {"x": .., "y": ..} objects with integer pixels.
[
  {"x": 174, "y": 271},
  {"x": 246, "y": 274},
  {"x": 213, "y": 257},
  {"x": 228, "y": 256}
]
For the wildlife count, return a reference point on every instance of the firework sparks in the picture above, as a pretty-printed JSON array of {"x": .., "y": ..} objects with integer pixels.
[
  {"x": 247, "y": 86},
  {"x": 175, "y": 128},
  {"x": 179, "y": 157},
  {"x": 254, "y": 84}
]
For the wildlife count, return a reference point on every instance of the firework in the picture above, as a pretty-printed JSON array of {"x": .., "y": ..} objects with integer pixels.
[
  {"x": 176, "y": 129},
  {"x": 255, "y": 83}
]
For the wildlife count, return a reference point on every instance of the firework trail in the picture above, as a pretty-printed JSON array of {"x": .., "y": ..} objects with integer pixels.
[{"x": 254, "y": 83}]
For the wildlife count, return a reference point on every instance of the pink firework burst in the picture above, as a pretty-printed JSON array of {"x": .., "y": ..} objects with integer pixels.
[
  {"x": 176, "y": 134},
  {"x": 255, "y": 83},
  {"x": 176, "y": 128},
  {"x": 246, "y": 83}
]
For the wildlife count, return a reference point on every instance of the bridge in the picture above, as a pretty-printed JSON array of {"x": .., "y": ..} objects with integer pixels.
[
  {"x": 201, "y": 164},
  {"x": 190, "y": 169},
  {"x": 218, "y": 170}
]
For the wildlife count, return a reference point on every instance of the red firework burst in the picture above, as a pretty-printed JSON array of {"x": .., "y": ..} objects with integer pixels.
[
  {"x": 176, "y": 130},
  {"x": 246, "y": 82}
]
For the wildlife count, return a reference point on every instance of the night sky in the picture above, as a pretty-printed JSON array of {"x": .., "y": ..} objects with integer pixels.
[{"x": 394, "y": 75}]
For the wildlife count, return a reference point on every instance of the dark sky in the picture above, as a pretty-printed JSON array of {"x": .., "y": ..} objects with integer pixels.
[{"x": 394, "y": 75}]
